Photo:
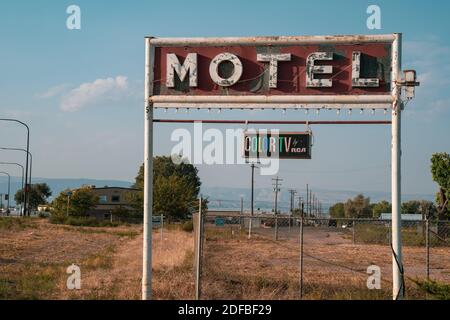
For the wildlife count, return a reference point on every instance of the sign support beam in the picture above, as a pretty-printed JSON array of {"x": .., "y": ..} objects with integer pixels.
[
  {"x": 148, "y": 175},
  {"x": 397, "y": 265}
]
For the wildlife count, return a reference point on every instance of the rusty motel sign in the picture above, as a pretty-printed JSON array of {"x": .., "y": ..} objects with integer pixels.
[
  {"x": 304, "y": 72},
  {"x": 282, "y": 145}
]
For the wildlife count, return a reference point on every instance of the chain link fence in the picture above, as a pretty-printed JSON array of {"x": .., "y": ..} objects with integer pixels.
[{"x": 281, "y": 257}]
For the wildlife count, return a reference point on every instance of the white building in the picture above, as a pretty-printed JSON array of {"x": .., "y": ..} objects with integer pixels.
[{"x": 405, "y": 217}]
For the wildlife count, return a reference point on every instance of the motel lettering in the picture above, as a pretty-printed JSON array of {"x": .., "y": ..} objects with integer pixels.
[{"x": 281, "y": 70}]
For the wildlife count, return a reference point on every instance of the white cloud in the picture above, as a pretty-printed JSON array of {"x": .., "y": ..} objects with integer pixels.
[
  {"x": 53, "y": 91},
  {"x": 91, "y": 93}
]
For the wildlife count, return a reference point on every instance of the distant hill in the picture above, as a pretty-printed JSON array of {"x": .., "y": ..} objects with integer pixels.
[
  {"x": 229, "y": 198},
  {"x": 220, "y": 197},
  {"x": 58, "y": 185}
]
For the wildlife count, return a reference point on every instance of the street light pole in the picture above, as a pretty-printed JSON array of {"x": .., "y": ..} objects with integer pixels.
[
  {"x": 21, "y": 166},
  {"x": 9, "y": 189},
  {"x": 26, "y": 165},
  {"x": 31, "y": 159}
]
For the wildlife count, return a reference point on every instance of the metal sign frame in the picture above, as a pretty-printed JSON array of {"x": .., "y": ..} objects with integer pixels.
[
  {"x": 392, "y": 101},
  {"x": 366, "y": 101}
]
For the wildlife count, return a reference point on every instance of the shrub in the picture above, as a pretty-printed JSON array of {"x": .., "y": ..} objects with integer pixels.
[
  {"x": 81, "y": 221},
  {"x": 440, "y": 291},
  {"x": 9, "y": 223},
  {"x": 188, "y": 226}
]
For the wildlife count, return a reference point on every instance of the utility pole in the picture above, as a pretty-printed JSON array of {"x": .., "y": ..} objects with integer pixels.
[
  {"x": 241, "y": 214},
  {"x": 302, "y": 217},
  {"x": 320, "y": 209},
  {"x": 307, "y": 196},
  {"x": 309, "y": 205},
  {"x": 317, "y": 207},
  {"x": 276, "y": 189},
  {"x": 252, "y": 201},
  {"x": 253, "y": 189},
  {"x": 292, "y": 192}
]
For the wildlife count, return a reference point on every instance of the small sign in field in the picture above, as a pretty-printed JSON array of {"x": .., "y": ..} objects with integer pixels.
[{"x": 219, "y": 222}]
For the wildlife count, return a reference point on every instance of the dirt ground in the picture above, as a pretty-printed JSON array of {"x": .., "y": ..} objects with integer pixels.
[
  {"x": 333, "y": 267},
  {"x": 34, "y": 257}
]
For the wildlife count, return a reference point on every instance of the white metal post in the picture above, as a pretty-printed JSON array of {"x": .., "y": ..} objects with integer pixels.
[
  {"x": 148, "y": 176},
  {"x": 397, "y": 266},
  {"x": 198, "y": 251}
]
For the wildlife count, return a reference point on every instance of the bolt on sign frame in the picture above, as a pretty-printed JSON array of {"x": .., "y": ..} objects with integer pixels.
[{"x": 293, "y": 72}]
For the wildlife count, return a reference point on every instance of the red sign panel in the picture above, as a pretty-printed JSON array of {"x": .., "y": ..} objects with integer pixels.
[{"x": 294, "y": 70}]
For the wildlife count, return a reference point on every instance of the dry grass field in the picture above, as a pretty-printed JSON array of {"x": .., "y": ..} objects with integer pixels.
[
  {"x": 34, "y": 255},
  {"x": 333, "y": 267}
]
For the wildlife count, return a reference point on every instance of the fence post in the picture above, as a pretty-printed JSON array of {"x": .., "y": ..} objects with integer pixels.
[
  {"x": 198, "y": 251},
  {"x": 276, "y": 227},
  {"x": 301, "y": 254},
  {"x": 427, "y": 244},
  {"x": 250, "y": 227},
  {"x": 162, "y": 227},
  {"x": 353, "y": 231}
]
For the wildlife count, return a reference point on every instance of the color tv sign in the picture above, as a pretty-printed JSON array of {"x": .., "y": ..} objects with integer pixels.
[
  {"x": 280, "y": 145},
  {"x": 271, "y": 72}
]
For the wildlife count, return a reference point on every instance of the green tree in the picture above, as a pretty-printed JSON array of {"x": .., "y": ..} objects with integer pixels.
[
  {"x": 80, "y": 202},
  {"x": 173, "y": 197},
  {"x": 410, "y": 207},
  {"x": 440, "y": 171},
  {"x": 167, "y": 166},
  {"x": 358, "y": 207},
  {"x": 337, "y": 210},
  {"x": 38, "y": 195},
  {"x": 176, "y": 186},
  {"x": 381, "y": 207},
  {"x": 427, "y": 209}
]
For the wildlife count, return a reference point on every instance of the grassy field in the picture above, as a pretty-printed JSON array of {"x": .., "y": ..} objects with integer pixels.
[{"x": 34, "y": 256}]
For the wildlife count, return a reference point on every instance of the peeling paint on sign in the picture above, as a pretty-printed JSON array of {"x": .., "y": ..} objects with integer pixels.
[{"x": 303, "y": 69}]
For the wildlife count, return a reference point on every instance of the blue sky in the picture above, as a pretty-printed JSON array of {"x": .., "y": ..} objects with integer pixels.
[{"x": 44, "y": 66}]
